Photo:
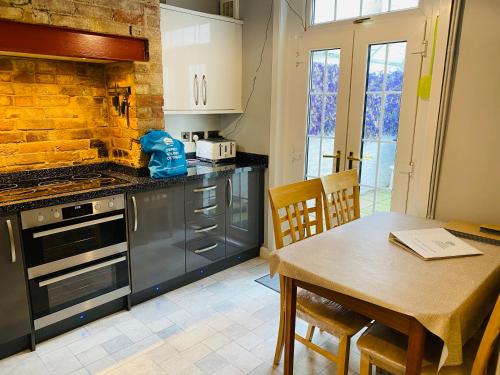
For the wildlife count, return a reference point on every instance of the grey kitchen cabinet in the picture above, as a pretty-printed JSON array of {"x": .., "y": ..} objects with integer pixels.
[
  {"x": 15, "y": 321},
  {"x": 157, "y": 239},
  {"x": 244, "y": 211}
]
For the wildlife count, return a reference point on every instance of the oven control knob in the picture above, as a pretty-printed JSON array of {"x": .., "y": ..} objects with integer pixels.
[
  {"x": 57, "y": 215},
  {"x": 40, "y": 218},
  {"x": 97, "y": 206},
  {"x": 111, "y": 204}
]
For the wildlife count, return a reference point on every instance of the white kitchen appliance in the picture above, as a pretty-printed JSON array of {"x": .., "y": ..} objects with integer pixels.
[{"x": 215, "y": 150}]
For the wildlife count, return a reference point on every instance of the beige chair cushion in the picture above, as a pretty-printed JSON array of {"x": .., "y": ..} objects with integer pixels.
[
  {"x": 327, "y": 315},
  {"x": 387, "y": 349}
]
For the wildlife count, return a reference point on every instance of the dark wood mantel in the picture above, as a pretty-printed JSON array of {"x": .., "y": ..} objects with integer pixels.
[{"x": 23, "y": 39}]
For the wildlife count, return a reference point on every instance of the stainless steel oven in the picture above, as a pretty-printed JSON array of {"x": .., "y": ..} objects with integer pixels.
[{"x": 76, "y": 257}]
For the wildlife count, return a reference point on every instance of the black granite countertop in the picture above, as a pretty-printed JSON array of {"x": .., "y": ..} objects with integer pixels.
[{"x": 138, "y": 179}]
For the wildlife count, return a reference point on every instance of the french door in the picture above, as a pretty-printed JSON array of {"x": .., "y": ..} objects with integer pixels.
[{"x": 360, "y": 87}]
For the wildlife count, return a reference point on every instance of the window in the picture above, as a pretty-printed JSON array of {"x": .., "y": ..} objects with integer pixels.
[
  {"x": 324, "y": 11},
  {"x": 384, "y": 85},
  {"x": 322, "y": 117}
]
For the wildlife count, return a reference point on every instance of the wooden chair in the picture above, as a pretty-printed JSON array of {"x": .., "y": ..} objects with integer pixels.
[
  {"x": 341, "y": 198},
  {"x": 385, "y": 348},
  {"x": 297, "y": 213}
]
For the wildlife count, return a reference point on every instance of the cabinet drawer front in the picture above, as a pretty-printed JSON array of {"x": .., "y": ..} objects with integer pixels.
[
  {"x": 205, "y": 227},
  {"x": 204, "y": 252},
  {"x": 205, "y": 199}
]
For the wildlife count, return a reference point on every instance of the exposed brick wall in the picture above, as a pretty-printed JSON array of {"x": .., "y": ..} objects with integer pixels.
[
  {"x": 52, "y": 113},
  {"x": 140, "y": 18}
]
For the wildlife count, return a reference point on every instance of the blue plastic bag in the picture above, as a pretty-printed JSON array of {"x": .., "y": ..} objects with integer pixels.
[{"x": 167, "y": 154}]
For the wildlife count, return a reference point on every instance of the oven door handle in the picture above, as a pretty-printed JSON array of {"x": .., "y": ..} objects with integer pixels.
[
  {"x": 77, "y": 226},
  {"x": 81, "y": 272}
]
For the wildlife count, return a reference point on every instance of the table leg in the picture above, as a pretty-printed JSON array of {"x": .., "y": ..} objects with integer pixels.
[
  {"x": 416, "y": 347},
  {"x": 290, "y": 312}
]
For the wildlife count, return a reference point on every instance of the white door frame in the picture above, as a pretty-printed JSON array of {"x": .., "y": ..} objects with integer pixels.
[
  {"x": 411, "y": 29},
  {"x": 285, "y": 159}
]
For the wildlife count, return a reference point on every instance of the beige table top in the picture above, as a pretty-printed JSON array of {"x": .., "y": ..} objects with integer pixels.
[{"x": 449, "y": 297}]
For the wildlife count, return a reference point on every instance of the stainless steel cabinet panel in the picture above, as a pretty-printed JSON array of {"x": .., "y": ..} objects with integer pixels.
[
  {"x": 244, "y": 213},
  {"x": 205, "y": 227},
  {"x": 156, "y": 223},
  {"x": 15, "y": 318},
  {"x": 203, "y": 252},
  {"x": 205, "y": 198}
]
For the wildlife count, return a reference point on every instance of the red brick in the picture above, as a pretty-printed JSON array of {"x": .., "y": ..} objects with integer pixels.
[
  {"x": 45, "y": 78},
  {"x": 23, "y": 101},
  {"x": 11, "y": 137},
  {"x": 5, "y": 63},
  {"x": 23, "y": 77},
  {"x": 5, "y": 100}
]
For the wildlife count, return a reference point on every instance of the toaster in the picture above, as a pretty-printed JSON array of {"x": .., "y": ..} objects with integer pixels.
[{"x": 215, "y": 150}]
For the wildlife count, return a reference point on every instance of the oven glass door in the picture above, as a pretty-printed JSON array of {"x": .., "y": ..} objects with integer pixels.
[
  {"x": 54, "y": 242},
  {"x": 64, "y": 289}
]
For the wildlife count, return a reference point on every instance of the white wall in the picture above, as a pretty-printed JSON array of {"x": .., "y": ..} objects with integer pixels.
[
  {"x": 469, "y": 185},
  {"x": 252, "y": 131}
]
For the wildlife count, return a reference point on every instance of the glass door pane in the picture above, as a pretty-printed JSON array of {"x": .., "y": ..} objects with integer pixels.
[
  {"x": 322, "y": 111},
  {"x": 384, "y": 84}
]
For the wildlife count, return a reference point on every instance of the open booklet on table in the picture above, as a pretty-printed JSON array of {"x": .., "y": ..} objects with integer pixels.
[{"x": 434, "y": 243}]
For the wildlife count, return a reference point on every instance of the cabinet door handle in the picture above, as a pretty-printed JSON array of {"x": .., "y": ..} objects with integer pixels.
[
  {"x": 205, "y": 249},
  {"x": 196, "y": 90},
  {"x": 230, "y": 192},
  {"x": 209, "y": 208},
  {"x": 12, "y": 243},
  {"x": 134, "y": 205},
  {"x": 208, "y": 188},
  {"x": 204, "y": 88},
  {"x": 206, "y": 229}
]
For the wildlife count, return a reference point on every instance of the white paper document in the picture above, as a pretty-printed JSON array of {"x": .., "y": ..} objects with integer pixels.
[{"x": 434, "y": 243}]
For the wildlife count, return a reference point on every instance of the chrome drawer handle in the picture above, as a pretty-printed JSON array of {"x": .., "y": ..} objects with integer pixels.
[
  {"x": 199, "y": 251},
  {"x": 196, "y": 90},
  {"x": 81, "y": 272},
  {"x": 134, "y": 203},
  {"x": 210, "y": 208},
  {"x": 208, "y": 188},
  {"x": 77, "y": 226},
  {"x": 12, "y": 243},
  {"x": 201, "y": 230}
]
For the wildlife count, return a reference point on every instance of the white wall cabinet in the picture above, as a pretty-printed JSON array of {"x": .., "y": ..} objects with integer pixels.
[{"x": 202, "y": 66}]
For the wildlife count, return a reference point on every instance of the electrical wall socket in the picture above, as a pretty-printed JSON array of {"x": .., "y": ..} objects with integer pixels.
[
  {"x": 200, "y": 134},
  {"x": 185, "y": 136}
]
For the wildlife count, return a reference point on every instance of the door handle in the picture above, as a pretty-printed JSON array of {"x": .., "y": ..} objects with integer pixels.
[
  {"x": 199, "y": 251},
  {"x": 208, "y": 188},
  {"x": 204, "y": 89},
  {"x": 337, "y": 158},
  {"x": 134, "y": 205},
  {"x": 206, "y": 229},
  {"x": 12, "y": 243},
  {"x": 352, "y": 158},
  {"x": 196, "y": 90},
  {"x": 230, "y": 192},
  {"x": 210, "y": 208}
]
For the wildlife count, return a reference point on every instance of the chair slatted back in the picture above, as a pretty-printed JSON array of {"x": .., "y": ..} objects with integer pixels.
[
  {"x": 297, "y": 211},
  {"x": 341, "y": 198},
  {"x": 488, "y": 341}
]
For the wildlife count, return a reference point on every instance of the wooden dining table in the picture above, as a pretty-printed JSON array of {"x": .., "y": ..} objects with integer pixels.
[{"x": 356, "y": 265}]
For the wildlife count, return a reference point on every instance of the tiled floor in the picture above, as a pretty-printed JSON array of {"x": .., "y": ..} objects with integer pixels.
[{"x": 225, "y": 324}]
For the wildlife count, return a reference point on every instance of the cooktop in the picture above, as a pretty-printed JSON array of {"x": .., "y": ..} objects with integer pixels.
[{"x": 44, "y": 187}]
